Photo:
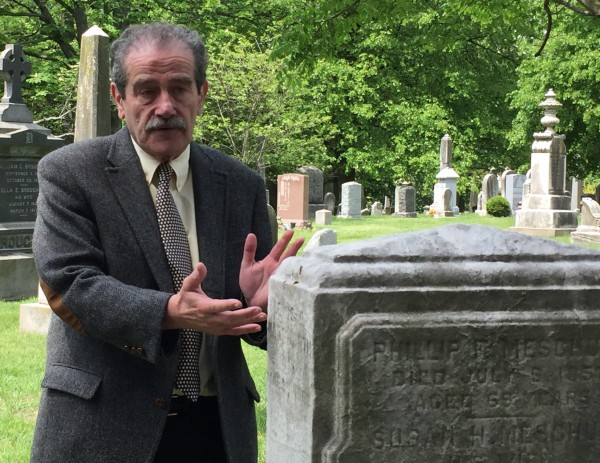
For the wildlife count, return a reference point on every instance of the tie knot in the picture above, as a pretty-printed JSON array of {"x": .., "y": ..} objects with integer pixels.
[{"x": 165, "y": 171}]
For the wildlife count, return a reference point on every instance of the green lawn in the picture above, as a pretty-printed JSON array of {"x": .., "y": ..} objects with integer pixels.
[{"x": 22, "y": 355}]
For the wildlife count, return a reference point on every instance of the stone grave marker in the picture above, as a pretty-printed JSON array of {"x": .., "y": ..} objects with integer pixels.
[
  {"x": 315, "y": 189},
  {"x": 376, "y": 208},
  {"x": 502, "y": 179},
  {"x": 405, "y": 201},
  {"x": 489, "y": 188},
  {"x": 323, "y": 217},
  {"x": 589, "y": 229},
  {"x": 453, "y": 344},
  {"x": 324, "y": 237},
  {"x": 292, "y": 199},
  {"x": 446, "y": 178},
  {"x": 22, "y": 145},
  {"x": 514, "y": 190},
  {"x": 92, "y": 119},
  {"x": 546, "y": 208},
  {"x": 351, "y": 200},
  {"x": 329, "y": 201},
  {"x": 576, "y": 193}
]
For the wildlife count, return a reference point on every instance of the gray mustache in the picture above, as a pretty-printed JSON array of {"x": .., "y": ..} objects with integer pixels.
[{"x": 175, "y": 122}]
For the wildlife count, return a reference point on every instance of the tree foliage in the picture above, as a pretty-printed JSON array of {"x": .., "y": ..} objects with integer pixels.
[{"x": 364, "y": 90}]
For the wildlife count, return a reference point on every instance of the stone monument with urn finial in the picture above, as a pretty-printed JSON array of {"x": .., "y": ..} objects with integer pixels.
[{"x": 546, "y": 208}]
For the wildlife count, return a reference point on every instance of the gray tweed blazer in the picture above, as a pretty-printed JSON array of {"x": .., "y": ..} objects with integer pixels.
[{"x": 110, "y": 368}]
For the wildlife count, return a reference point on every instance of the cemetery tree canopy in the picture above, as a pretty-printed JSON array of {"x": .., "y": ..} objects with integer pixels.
[{"x": 362, "y": 89}]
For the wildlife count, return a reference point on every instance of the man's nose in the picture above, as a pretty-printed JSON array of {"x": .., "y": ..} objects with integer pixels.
[{"x": 164, "y": 105}]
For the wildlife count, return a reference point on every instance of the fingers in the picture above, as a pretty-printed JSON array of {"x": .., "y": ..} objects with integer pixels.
[
  {"x": 237, "y": 322},
  {"x": 279, "y": 251},
  {"x": 193, "y": 280},
  {"x": 249, "y": 250}
]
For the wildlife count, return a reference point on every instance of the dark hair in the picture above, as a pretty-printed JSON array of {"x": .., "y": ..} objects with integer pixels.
[{"x": 157, "y": 34}]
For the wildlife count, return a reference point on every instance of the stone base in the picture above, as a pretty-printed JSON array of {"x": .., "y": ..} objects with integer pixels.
[
  {"x": 296, "y": 223},
  {"x": 18, "y": 277},
  {"x": 313, "y": 208},
  {"x": 546, "y": 219},
  {"x": 442, "y": 214},
  {"x": 405, "y": 215},
  {"x": 585, "y": 237},
  {"x": 544, "y": 232},
  {"x": 34, "y": 318}
]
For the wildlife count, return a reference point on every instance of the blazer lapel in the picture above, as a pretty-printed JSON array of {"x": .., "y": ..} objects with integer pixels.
[
  {"x": 210, "y": 199},
  {"x": 129, "y": 185}
]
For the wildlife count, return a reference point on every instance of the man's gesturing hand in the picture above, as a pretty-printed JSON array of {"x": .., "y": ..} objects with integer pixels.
[
  {"x": 254, "y": 276},
  {"x": 192, "y": 308}
]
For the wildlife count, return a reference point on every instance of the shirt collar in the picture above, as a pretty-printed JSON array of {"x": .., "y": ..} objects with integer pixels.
[{"x": 180, "y": 165}]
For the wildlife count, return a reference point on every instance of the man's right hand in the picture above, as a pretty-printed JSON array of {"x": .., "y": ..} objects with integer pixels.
[{"x": 191, "y": 308}]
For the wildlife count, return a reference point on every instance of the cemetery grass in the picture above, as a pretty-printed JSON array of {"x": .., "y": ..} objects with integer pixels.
[{"x": 22, "y": 355}]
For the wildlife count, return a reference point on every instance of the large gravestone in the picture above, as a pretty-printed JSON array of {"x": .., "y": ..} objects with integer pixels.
[
  {"x": 489, "y": 189},
  {"x": 546, "y": 208},
  {"x": 453, "y": 344},
  {"x": 292, "y": 199},
  {"x": 405, "y": 201},
  {"x": 22, "y": 144},
  {"x": 92, "y": 119},
  {"x": 514, "y": 190},
  {"x": 446, "y": 180},
  {"x": 315, "y": 189},
  {"x": 350, "y": 207}
]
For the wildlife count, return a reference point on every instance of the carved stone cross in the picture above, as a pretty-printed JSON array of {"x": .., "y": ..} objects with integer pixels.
[{"x": 13, "y": 69}]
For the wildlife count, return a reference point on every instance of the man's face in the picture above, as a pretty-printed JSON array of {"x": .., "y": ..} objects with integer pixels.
[{"x": 161, "y": 100}]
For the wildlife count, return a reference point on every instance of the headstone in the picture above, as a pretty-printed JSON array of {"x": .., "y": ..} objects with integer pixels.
[
  {"x": 472, "y": 201},
  {"x": 589, "y": 229},
  {"x": 377, "y": 208},
  {"x": 514, "y": 190},
  {"x": 576, "y": 193},
  {"x": 387, "y": 208},
  {"x": 446, "y": 178},
  {"x": 447, "y": 210},
  {"x": 273, "y": 223},
  {"x": 324, "y": 237},
  {"x": 22, "y": 145},
  {"x": 546, "y": 209},
  {"x": 351, "y": 200},
  {"x": 460, "y": 343},
  {"x": 404, "y": 201},
  {"x": 315, "y": 189},
  {"x": 292, "y": 199},
  {"x": 329, "y": 201},
  {"x": 323, "y": 217},
  {"x": 489, "y": 189},
  {"x": 92, "y": 119},
  {"x": 505, "y": 174}
]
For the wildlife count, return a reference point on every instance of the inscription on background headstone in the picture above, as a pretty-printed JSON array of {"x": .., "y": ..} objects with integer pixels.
[
  {"x": 22, "y": 144},
  {"x": 18, "y": 190},
  {"x": 454, "y": 344},
  {"x": 292, "y": 199}
]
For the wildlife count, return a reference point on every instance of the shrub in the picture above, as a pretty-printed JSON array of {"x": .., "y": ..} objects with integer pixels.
[{"x": 497, "y": 206}]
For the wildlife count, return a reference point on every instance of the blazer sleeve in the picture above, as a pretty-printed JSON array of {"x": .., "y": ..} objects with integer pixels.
[{"x": 73, "y": 264}]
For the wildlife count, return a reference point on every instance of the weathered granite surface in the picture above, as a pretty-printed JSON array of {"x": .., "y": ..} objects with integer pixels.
[{"x": 453, "y": 344}]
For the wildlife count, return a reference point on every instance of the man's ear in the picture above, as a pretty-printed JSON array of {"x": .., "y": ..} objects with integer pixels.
[
  {"x": 202, "y": 96},
  {"x": 116, "y": 95}
]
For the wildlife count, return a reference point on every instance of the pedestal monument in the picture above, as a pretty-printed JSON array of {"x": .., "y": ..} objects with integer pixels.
[
  {"x": 546, "y": 208},
  {"x": 446, "y": 180}
]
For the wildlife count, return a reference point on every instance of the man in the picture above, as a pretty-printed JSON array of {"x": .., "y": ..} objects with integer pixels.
[{"x": 117, "y": 382}]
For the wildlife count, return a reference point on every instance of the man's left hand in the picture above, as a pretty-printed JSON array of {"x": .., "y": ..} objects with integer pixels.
[{"x": 254, "y": 276}]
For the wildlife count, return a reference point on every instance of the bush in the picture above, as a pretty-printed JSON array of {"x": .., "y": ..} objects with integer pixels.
[{"x": 497, "y": 206}]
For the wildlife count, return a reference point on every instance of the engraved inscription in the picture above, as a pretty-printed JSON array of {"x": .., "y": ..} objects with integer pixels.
[
  {"x": 510, "y": 393},
  {"x": 18, "y": 191}
]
